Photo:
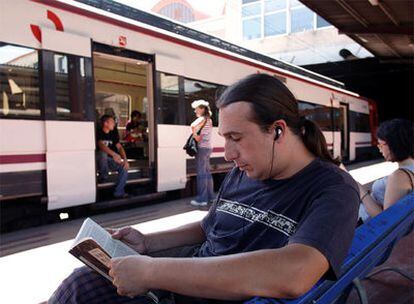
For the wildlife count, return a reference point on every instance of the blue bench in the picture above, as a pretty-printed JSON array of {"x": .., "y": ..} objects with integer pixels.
[{"x": 371, "y": 246}]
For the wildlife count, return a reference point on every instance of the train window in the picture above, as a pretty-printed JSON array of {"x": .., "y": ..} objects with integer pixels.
[
  {"x": 70, "y": 86},
  {"x": 62, "y": 85},
  {"x": 322, "y": 115},
  {"x": 359, "y": 122},
  {"x": 337, "y": 119},
  {"x": 169, "y": 99},
  {"x": 115, "y": 104},
  {"x": 193, "y": 90},
  {"x": 19, "y": 81}
]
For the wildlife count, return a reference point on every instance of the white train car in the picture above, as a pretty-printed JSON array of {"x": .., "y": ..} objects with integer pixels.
[{"x": 65, "y": 63}]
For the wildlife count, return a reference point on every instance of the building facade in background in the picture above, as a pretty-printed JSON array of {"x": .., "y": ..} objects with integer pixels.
[
  {"x": 179, "y": 10},
  {"x": 284, "y": 29}
]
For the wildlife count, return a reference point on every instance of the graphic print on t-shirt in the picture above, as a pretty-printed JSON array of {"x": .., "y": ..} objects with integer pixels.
[
  {"x": 269, "y": 218},
  {"x": 110, "y": 139},
  {"x": 107, "y": 142}
]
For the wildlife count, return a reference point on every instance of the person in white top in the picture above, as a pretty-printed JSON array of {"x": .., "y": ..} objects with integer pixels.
[
  {"x": 202, "y": 128},
  {"x": 396, "y": 144}
]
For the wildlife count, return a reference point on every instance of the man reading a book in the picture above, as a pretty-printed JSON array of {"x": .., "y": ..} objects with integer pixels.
[{"x": 283, "y": 219}]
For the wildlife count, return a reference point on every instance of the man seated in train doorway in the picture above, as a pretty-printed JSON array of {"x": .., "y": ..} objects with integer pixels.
[
  {"x": 284, "y": 217},
  {"x": 111, "y": 155}
]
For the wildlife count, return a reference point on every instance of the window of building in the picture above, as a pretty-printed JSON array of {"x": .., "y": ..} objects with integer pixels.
[
  {"x": 252, "y": 20},
  {"x": 249, "y": 1},
  {"x": 169, "y": 111},
  {"x": 275, "y": 24},
  {"x": 253, "y": 9},
  {"x": 301, "y": 19},
  {"x": 252, "y": 28},
  {"x": 178, "y": 11},
  {"x": 275, "y": 17},
  {"x": 320, "y": 22},
  {"x": 264, "y": 18},
  {"x": 274, "y": 5},
  {"x": 295, "y": 3},
  {"x": 19, "y": 81}
]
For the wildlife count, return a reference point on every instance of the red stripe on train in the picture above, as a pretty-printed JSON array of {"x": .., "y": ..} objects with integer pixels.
[
  {"x": 23, "y": 158},
  {"x": 218, "y": 149}
]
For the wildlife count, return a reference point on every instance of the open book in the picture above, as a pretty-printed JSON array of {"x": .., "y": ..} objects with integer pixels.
[{"x": 95, "y": 247}]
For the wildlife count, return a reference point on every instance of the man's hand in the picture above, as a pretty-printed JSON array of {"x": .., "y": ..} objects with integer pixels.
[
  {"x": 125, "y": 164},
  {"x": 130, "y": 274},
  {"x": 133, "y": 238},
  {"x": 117, "y": 158}
]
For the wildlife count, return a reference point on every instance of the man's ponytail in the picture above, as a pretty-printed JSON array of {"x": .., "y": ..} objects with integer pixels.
[{"x": 315, "y": 142}]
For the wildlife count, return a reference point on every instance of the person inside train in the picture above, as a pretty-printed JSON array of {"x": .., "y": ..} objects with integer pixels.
[
  {"x": 111, "y": 155},
  {"x": 135, "y": 129},
  {"x": 284, "y": 217},
  {"x": 396, "y": 144}
]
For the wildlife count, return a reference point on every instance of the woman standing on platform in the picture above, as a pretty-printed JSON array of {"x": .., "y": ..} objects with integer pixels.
[
  {"x": 396, "y": 144},
  {"x": 202, "y": 129}
]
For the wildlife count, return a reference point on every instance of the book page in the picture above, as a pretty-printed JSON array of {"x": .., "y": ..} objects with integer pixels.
[{"x": 115, "y": 248}]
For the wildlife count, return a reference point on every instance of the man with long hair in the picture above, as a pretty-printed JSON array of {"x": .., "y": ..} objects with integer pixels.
[{"x": 284, "y": 217}]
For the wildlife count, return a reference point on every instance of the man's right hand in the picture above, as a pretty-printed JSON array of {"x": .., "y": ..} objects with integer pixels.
[
  {"x": 117, "y": 158},
  {"x": 133, "y": 238}
]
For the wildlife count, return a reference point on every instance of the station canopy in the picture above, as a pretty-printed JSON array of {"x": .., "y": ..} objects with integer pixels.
[{"x": 384, "y": 27}]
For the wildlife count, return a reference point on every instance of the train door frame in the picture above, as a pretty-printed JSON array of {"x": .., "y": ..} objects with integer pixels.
[
  {"x": 345, "y": 140},
  {"x": 120, "y": 53}
]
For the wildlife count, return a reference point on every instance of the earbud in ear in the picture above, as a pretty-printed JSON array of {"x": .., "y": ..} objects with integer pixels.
[{"x": 278, "y": 132}]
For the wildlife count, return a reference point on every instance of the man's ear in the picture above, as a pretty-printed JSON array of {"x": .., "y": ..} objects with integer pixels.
[{"x": 281, "y": 124}]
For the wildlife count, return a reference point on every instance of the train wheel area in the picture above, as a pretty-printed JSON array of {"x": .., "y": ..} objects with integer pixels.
[{"x": 21, "y": 214}]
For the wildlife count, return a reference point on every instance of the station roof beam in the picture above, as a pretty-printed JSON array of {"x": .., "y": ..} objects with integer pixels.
[{"x": 384, "y": 27}]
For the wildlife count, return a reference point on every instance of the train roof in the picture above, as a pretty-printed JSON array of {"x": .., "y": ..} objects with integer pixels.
[{"x": 182, "y": 30}]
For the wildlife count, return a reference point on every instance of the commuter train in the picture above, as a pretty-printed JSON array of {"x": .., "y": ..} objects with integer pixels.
[{"x": 65, "y": 63}]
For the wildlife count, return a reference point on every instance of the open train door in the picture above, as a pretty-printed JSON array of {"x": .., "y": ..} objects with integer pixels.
[{"x": 123, "y": 82}]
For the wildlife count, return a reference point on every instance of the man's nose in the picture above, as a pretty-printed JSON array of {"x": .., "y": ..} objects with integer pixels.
[{"x": 230, "y": 153}]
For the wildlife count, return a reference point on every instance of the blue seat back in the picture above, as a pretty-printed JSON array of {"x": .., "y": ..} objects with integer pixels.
[{"x": 371, "y": 243}]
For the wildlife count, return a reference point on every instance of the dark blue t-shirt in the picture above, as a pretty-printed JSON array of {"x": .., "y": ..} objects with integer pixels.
[{"x": 318, "y": 207}]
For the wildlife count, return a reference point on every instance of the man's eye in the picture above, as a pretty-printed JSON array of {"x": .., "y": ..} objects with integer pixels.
[{"x": 236, "y": 138}]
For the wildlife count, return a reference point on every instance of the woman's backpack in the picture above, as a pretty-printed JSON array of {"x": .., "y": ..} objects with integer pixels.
[{"x": 191, "y": 146}]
